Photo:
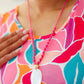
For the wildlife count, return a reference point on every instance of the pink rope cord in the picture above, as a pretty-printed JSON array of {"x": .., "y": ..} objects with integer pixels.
[
  {"x": 31, "y": 32},
  {"x": 48, "y": 39}
]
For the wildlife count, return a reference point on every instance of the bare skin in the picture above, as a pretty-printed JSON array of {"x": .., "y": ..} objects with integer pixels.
[{"x": 44, "y": 14}]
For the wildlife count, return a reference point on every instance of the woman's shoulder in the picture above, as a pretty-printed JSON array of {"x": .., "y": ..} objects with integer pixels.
[
  {"x": 79, "y": 20},
  {"x": 7, "y": 16},
  {"x": 6, "y": 21}
]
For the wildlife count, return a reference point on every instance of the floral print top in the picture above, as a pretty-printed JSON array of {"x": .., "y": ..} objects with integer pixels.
[{"x": 66, "y": 48}]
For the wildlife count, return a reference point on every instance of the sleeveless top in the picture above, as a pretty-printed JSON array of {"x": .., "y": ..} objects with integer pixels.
[{"x": 66, "y": 48}]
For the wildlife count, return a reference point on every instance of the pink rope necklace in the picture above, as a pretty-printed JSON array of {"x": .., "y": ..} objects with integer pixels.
[{"x": 36, "y": 65}]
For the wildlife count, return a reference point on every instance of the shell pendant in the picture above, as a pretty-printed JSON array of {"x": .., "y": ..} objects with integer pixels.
[{"x": 36, "y": 76}]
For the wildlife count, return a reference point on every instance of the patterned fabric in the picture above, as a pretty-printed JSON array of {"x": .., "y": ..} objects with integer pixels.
[{"x": 64, "y": 57}]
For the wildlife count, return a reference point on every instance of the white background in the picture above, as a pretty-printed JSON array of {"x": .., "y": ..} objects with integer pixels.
[{"x": 6, "y": 5}]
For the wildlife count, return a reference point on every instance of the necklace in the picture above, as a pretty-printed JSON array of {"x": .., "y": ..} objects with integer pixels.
[{"x": 36, "y": 76}]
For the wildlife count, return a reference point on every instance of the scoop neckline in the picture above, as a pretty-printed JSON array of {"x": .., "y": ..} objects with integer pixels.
[{"x": 48, "y": 35}]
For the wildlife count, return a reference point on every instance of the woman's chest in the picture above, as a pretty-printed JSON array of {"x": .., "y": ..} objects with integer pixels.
[
  {"x": 61, "y": 62},
  {"x": 54, "y": 49},
  {"x": 57, "y": 67}
]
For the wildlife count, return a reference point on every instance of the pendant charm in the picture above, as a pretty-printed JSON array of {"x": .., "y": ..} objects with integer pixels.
[{"x": 36, "y": 76}]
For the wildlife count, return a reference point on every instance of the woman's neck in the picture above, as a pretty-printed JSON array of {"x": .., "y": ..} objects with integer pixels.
[
  {"x": 43, "y": 5},
  {"x": 38, "y": 15}
]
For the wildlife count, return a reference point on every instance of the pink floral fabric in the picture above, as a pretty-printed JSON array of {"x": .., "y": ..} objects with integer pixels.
[{"x": 64, "y": 56}]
